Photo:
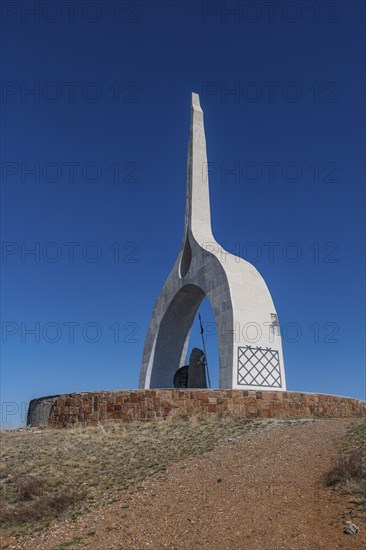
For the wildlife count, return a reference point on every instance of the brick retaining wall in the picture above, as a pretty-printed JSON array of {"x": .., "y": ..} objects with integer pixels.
[{"x": 92, "y": 408}]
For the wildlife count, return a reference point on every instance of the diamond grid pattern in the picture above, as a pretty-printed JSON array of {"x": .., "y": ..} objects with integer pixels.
[{"x": 259, "y": 367}]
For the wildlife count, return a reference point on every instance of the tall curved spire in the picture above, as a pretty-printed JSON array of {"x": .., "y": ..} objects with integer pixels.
[
  {"x": 198, "y": 215},
  {"x": 238, "y": 295}
]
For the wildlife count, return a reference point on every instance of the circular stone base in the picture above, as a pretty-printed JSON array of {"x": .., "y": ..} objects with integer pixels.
[{"x": 93, "y": 408}]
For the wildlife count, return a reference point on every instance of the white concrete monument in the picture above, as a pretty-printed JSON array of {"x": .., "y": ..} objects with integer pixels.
[{"x": 250, "y": 349}]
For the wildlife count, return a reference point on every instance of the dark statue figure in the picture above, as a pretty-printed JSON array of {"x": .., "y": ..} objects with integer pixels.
[{"x": 194, "y": 375}]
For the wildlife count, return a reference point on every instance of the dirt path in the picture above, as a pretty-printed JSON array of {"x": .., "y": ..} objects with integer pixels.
[{"x": 261, "y": 491}]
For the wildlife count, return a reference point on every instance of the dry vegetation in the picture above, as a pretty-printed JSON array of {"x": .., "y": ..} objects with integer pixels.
[
  {"x": 46, "y": 473},
  {"x": 349, "y": 471}
]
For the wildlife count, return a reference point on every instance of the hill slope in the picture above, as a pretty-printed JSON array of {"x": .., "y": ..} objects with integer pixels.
[{"x": 261, "y": 486}]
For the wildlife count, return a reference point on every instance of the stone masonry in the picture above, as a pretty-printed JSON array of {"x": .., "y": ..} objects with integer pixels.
[{"x": 94, "y": 408}]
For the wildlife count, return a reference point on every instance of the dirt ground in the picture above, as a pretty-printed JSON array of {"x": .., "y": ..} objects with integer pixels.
[{"x": 262, "y": 490}]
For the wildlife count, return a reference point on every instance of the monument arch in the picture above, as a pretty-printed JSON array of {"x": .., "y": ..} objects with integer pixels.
[{"x": 237, "y": 293}]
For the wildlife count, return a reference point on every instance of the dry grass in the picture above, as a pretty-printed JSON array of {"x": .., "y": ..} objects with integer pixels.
[
  {"x": 46, "y": 473},
  {"x": 349, "y": 470}
]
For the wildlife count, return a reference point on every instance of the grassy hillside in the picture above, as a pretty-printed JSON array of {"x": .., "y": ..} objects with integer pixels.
[
  {"x": 45, "y": 473},
  {"x": 349, "y": 471}
]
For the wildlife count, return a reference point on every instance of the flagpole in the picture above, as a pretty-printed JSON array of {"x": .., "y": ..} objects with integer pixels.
[{"x": 204, "y": 351}]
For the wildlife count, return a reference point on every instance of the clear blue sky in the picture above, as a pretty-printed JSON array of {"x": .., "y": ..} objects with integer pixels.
[{"x": 106, "y": 130}]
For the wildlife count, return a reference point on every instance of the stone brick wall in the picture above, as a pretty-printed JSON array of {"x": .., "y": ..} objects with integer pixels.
[
  {"x": 90, "y": 409},
  {"x": 39, "y": 410}
]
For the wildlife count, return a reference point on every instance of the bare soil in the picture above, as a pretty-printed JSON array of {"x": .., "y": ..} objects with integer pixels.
[{"x": 261, "y": 489}]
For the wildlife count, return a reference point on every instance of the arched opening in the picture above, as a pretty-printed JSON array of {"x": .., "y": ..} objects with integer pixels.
[
  {"x": 210, "y": 337},
  {"x": 179, "y": 333},
  {"x": 167, "y": 341},
  {"x": 173, "y": 335}
]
